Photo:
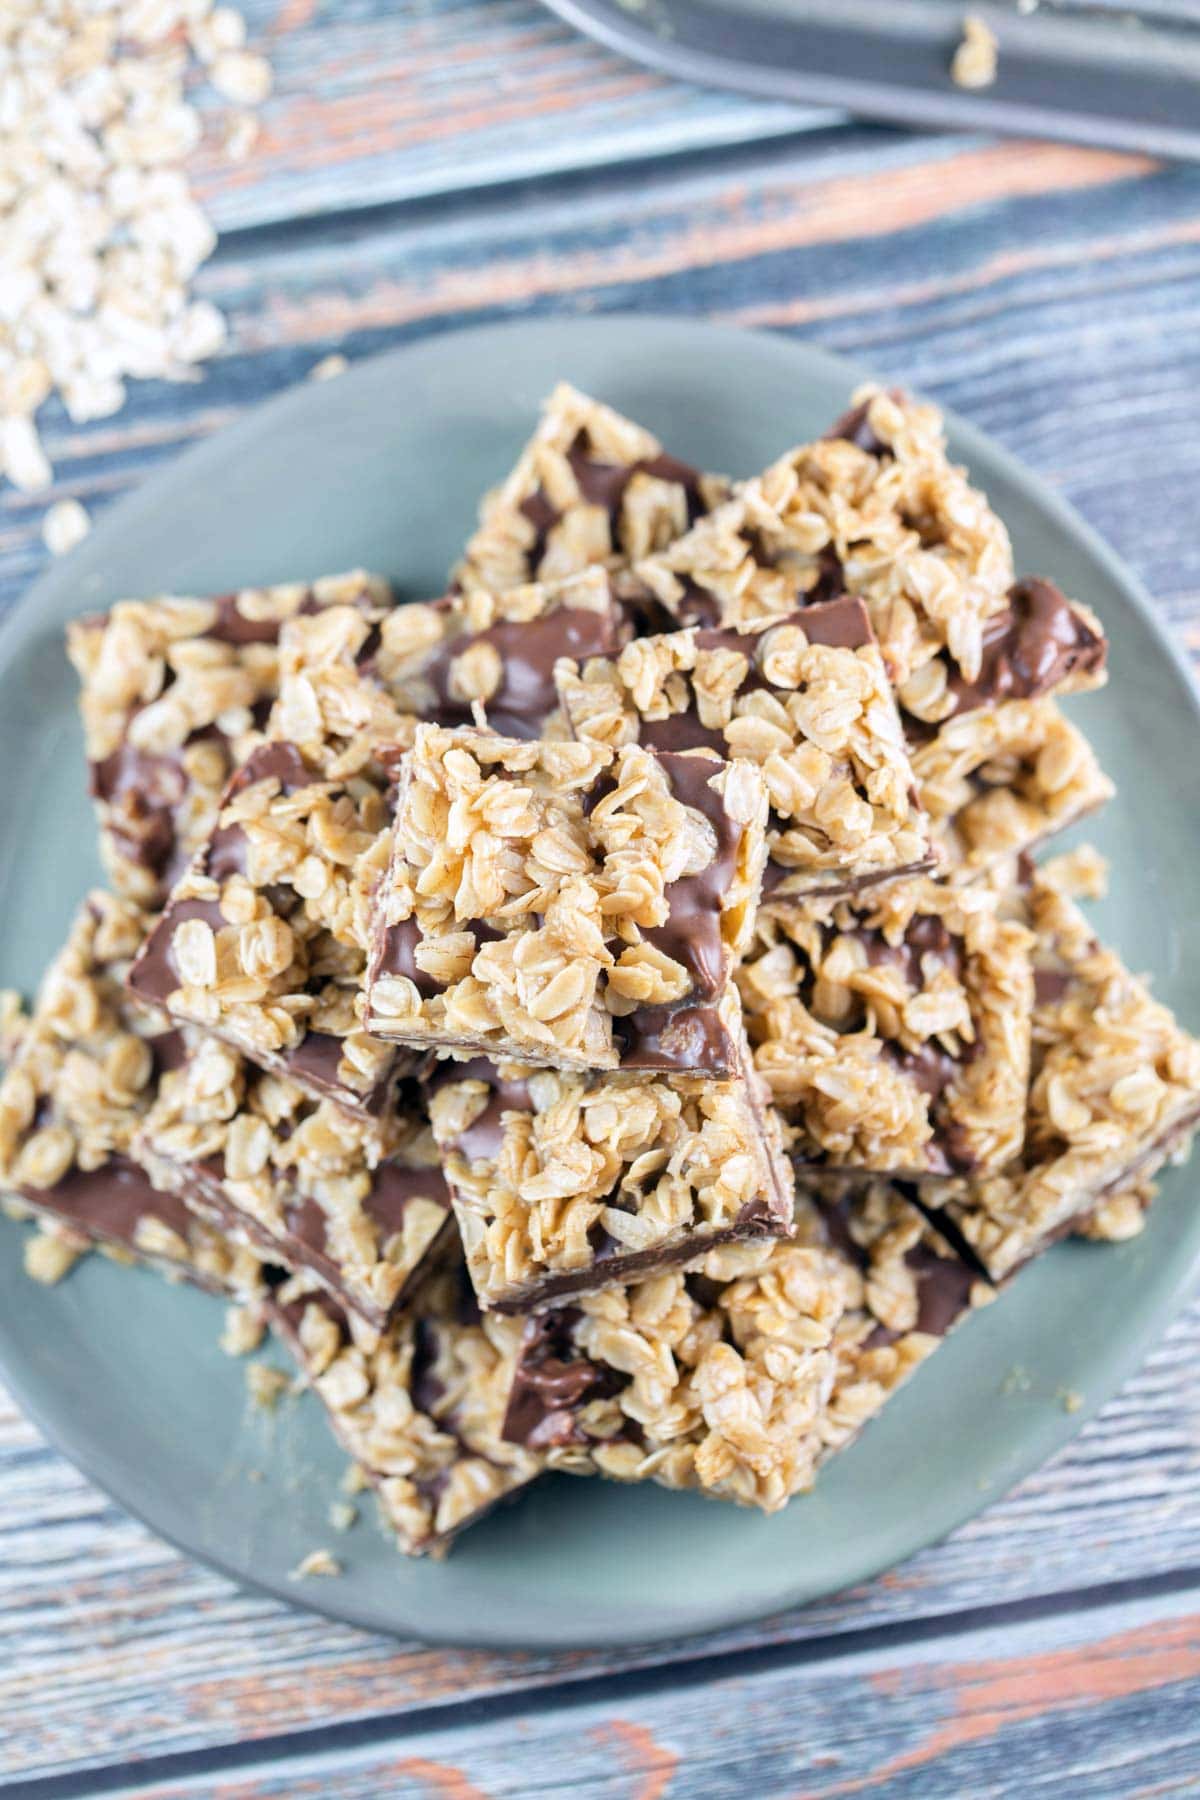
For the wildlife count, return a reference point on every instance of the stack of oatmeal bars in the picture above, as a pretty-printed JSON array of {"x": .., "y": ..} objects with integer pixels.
[{"x": 608, "y": 1017}]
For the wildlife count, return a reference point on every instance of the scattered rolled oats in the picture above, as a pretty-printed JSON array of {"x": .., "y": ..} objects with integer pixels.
[
  {"x": 589, "y": 487},
  {"x": 563, "y": 1182},
  {"x": 101, "y": 234},
  {"x": 560, "y": 903},
  {"x": 71, "y": 1102},
  {"x": 419, "y": 1409},
  {"x": 174, "y": 692},
  {"x": 894, "y": 1030}
]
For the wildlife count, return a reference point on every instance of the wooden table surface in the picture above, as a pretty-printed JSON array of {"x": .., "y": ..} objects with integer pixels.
[{"x": 431, "y": 162}]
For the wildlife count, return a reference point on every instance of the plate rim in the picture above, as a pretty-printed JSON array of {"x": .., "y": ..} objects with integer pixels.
[
  {"x": 666, "y": 46},
  {"x": 1039, "y": 1441}
]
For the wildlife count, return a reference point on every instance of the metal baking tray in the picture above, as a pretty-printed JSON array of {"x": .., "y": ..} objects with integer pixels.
[{"x": 1096, "y": 73}]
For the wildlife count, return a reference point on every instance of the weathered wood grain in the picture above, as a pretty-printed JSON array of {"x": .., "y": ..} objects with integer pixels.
[
  {"x": 1098, "y": 1704},
  {"x": 377, "y": 102},
  {"x": 1053, "y": 296},
  {"x": 143, "y": 1651}
]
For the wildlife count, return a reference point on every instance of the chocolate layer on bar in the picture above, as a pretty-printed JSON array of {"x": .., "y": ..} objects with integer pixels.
[
  {"x": 174, "y": 692},
  {"x": 352, "y": 682},
  {"x": 262, "y": 941},
  {"x": 360, "y": 1206},
  {"x": 808, "y": 701},
  {"x": 559, "y": 904},
  {"x": 1038, "y": 644},
  {"x": 419, "y": 1410},
  {"x": 893, "y": 1030},
  {"x": 589, "y": 488},
  {"x": 1114, "y": 1093},
  {"x": 565, "y": 1182},
  {"x": 84, "y": 1071}
]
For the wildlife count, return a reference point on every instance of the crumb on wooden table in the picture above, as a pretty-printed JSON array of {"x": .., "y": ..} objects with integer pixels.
[
  {"x": 328, "y": 367},
  {"x": 975, "y": 61}
]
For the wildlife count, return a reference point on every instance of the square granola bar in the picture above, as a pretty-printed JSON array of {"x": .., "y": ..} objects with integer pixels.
[
  {"x": 712, "y": 1380},
  {"x": 361, "y": 1206},
  {"x": 261, "y": 942},
  {"x": 420, "y": 1410},
  {"x": 81, "y": 1077},
  {"x": 563, "y": 1182},
  {"x": 897, "y": 523},
  {"x": 565, "y": 904},
  {"x": 1001, "y": 783},
  {"x": 353, "y": 680},
  {"x": 1114, "y": 1093},
  {"x": 808, "y": 700},
  {"x": 894, "y": 1030},
  {"x": 174, "y": 693},
  {"x": 589, "y": 487},
  {"x": 741, "y": 1377}
]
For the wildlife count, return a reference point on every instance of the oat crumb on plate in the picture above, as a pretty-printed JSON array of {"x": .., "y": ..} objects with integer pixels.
[
  {"x": 317, "y": 1562},
  {"x": 266, "y": 1384}
]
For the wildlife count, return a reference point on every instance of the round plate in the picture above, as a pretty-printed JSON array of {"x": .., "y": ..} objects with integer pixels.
[{"x": 384, "y": 467}]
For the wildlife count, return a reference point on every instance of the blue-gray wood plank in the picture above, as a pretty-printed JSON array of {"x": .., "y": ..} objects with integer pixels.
[{"x": 1052, "y": 295}]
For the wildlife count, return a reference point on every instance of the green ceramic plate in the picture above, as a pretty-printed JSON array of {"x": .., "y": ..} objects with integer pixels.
[{"x": 383, "y": 467}]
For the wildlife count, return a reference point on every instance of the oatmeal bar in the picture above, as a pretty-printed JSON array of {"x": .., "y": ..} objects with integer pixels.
[
  {"x": 906, "y": 1289},
  {"x": 1002, "y": 782},
  {"x": 589, "y": 487},
  {"x": 807, "y": 700},
  {"x": 81, "y": 1077},
  {"x": 174, "y": 692},
  {"x": 419, "y": 1411},
  {"x": 893, "y": 1030},
  {"x": 352, "y": 680},
  {"x": 712, "y": 1380},
  {"x": 898, "y": 524},
  {"x": 261, "y": 941},
  {"x": 563, "y": 1182},
  {"x": 1115, "y": 1093},
  {"x": 744, "y": 1375},
  {"x": 566, "y": 904},
  {"x": 360, "y": 1206}
]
